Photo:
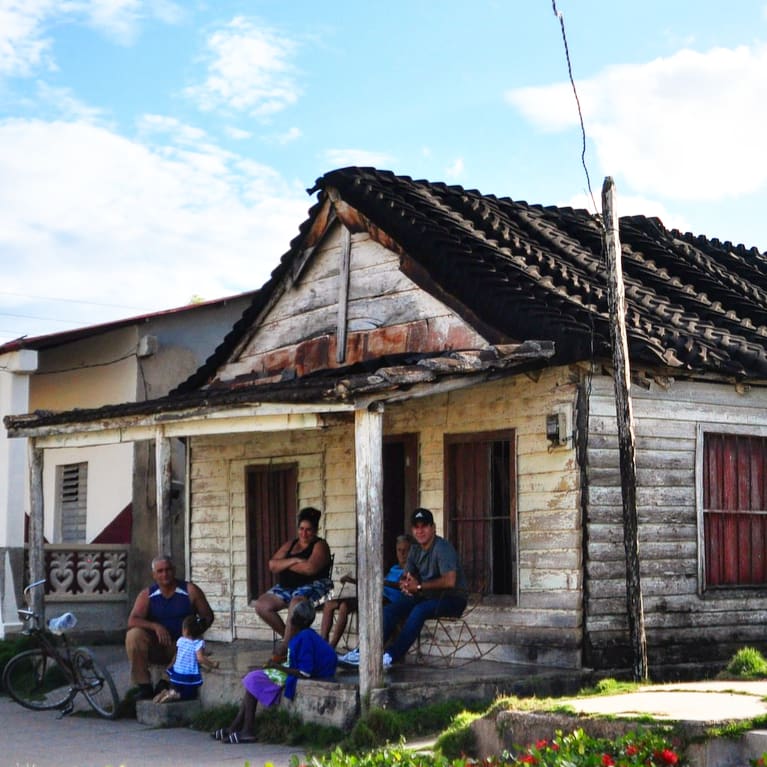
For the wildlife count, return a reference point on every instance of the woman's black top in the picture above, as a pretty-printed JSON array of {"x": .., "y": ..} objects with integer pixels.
[{"x": 292, "y": 580}]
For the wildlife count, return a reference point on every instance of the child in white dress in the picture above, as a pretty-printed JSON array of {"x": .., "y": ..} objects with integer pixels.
[{"x": 184, "y": 672}]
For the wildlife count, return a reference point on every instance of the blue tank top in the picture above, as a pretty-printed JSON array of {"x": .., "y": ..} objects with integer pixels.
[{"x": 170, "y": 612}]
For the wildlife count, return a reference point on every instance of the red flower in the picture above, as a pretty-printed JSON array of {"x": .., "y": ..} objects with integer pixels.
[
  {"x": 555, "y": 746},
  {"x": 667, "y": 756},
  {"x": 527, "y": 759},
  {"x": 541, "y": 744},
  {"x": 632, "y": 750},
  {"x": 607, "y": 761}
]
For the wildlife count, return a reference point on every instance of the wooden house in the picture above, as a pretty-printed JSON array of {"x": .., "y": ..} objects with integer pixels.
[{"x": 424, "y": 344}]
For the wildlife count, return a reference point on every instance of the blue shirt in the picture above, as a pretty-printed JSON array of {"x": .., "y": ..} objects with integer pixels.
[
  {"x": 392, "y": 593},
  {"x": 309, "y": 653},
  {"x": 170, "y": 612}
]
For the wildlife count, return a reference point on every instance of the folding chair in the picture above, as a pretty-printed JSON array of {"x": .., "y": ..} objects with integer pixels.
[{"x": 448, "y": 641}]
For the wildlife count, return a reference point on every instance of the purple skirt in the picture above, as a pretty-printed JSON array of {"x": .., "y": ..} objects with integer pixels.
[{"x": 263, "y": 689}]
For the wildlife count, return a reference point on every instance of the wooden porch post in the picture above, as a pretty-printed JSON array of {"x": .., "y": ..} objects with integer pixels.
[
  {"x": 163, "y": 488},
  {"x": 368, "y": 443},
  {"x": 36, "y": 527}
]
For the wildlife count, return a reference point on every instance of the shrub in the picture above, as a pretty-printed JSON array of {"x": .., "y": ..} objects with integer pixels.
[
  {"x": 747, "y": 663},
  {"x": 459, "y": 738}
]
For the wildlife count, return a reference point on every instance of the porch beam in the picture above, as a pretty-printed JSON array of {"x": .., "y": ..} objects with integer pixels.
[
  {"x": 36, "y": 527},
  {"x": 368, "y": 446},
  {"x": 163, "y": 488},
  {"x": 87, "y": 435}
]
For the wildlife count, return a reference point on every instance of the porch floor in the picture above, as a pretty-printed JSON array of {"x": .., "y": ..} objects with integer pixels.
[{"x": 406, "y": 685}]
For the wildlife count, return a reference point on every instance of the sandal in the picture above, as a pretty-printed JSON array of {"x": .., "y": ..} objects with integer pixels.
[
  {"x": 171, "y": 696},
  {"x": 236, "y": 738},
  {"x": 220, "y": 733}
]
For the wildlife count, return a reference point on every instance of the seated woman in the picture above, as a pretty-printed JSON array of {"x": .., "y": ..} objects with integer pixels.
[
  {"x": 308, "y": 656},
  {"x": 346, "y": 606},
  {"x": 302, "y": 567}
]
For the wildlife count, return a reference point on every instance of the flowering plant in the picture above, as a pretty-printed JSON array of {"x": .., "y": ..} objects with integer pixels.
[{"x": 577, "y": 749}]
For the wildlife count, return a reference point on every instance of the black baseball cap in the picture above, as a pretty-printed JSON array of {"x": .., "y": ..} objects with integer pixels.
[{"x": 422, "y": 516}]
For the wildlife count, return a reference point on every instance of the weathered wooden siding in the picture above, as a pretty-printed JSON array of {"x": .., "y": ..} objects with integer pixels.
[
  {"x": 682, "y": 623},
  {"x": 545, "y": 625},
  {"x": 386, "y": 314}
]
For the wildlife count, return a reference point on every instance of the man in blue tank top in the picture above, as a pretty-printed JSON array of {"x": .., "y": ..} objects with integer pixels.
[{"x": 154, "y": 623}]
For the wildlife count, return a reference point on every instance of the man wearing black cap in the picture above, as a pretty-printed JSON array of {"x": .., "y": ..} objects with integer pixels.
[{"x": 433, "y": 581}]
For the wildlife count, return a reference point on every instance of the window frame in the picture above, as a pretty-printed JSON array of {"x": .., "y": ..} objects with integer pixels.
[
  {"x": 65, "y": 507},
  {"x": 702, "y": 429},
  {"x": 498, "y": 435},
  {"x": 284, "y": 527}
]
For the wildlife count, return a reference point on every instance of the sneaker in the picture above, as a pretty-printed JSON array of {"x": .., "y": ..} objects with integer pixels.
[
  {"x": 387, "y": 660},
  {"x": 352, "y": 657}
]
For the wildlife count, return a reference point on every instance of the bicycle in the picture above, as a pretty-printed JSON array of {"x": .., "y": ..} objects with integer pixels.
[{"x": 51, "y": 675}]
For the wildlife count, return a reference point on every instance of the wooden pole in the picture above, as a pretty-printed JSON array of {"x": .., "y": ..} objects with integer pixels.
[
  {"x": 36, "y": 528},
  {"x": 368, "y": 442},
  {"x": 626, "y": 440},
  {"x": 163, "y": 492}
]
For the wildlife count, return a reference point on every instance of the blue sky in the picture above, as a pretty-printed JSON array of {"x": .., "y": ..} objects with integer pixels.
[{"x": 155, "y": 150}]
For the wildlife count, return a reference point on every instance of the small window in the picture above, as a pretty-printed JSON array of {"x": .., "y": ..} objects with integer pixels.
[
  {"x": 735, "y": 510},
  {"x": 481, "y": 508},
  {"x": 72, "y": 501}
]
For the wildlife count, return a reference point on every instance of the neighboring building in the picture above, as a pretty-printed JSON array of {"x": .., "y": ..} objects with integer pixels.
[
  {"x": 426, "y": 344},
  {"x": 99, "y": 499}
]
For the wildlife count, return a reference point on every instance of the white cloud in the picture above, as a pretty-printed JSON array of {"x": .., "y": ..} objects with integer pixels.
[
  {"x": 291, "y": 135},
  {"x": 23, "y": 44},
  {"x": 66, "y": 105},
  {"x": 26, "y": 46},
  {"x": 455, "y": 170},
  {"x": 689, "y": 126},
  {"x": 238, "y": 134},
  {"x": 633, "y": 205},
  {"x": 339, "y": 158},
  {"x": 85, "y": 213},
  {"x": 249, "y": 70}
]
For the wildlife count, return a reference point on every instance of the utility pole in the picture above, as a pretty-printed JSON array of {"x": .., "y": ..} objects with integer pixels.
[{"x": 626, "y": 439}]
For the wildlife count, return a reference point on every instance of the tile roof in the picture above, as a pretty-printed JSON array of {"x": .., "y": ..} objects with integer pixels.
[
  {"x": 527, "y": 273},
  {"x": 533, "y": 272}
]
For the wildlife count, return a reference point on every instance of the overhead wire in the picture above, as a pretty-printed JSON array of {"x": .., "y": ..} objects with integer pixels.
[{"x": 561, "y": 18}]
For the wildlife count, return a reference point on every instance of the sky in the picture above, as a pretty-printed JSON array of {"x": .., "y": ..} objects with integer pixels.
[{"x": 156, "y": 152}]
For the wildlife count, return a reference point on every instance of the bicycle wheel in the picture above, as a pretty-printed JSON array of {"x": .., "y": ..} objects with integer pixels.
[
  {"x": 96, "y": 683},
  {"x": 37, "y": 681}
]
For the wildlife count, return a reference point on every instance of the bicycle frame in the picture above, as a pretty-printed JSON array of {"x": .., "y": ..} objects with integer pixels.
[{"x": 81, "y": 672}]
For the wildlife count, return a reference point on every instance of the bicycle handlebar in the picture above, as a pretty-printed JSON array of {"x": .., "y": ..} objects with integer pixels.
[{"x": 32, "y": 585}]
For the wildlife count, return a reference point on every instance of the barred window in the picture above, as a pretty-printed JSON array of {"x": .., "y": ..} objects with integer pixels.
[
  {"x": 480, "y": 489},
  {"x": 735, "y": 510}
]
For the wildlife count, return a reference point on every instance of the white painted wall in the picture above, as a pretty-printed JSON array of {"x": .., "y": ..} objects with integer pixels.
[{"x": 110, "y": 484}]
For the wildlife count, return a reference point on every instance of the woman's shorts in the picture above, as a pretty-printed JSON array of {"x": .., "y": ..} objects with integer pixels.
[{"x": 313, "y": 591}]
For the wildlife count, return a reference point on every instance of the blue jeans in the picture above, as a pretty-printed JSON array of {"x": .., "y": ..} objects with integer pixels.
[{"x": 415, "y": 612}]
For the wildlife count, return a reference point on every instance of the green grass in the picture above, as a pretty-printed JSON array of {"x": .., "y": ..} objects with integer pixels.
[{"x": 747, "y": 663}]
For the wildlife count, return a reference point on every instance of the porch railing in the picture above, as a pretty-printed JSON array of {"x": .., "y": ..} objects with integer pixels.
[{"x": 86, "y": 572}]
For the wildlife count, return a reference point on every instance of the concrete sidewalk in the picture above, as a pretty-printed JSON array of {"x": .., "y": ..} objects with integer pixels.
[
  {"x": 709, "y": 702},
  {"x": 38, "y": 738}
]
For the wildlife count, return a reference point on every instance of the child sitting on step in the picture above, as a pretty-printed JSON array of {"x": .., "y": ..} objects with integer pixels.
[{"x": 184, "y": 672}]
